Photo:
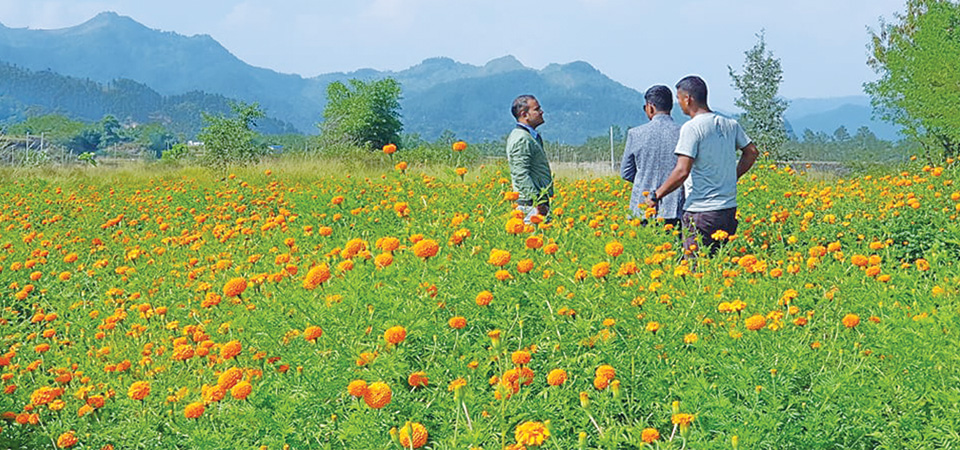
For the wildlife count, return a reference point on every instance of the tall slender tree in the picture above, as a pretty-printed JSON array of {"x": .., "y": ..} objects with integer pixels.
[{"x": 763, "y": 109}]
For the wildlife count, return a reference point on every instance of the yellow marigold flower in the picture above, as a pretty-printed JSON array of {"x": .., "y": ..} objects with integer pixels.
[
  {"x": 556, "y": 377},
  {"x": 378, "y": 395},
  {"x": 531, "y": 433},
  {"x": 235, "y": 287},
  {"x": 193, "y": 410},
  {"x": 851, "y": 320},
  {"x": 691, "y": 338},
  {"x": 653, "y": 327},
  {"x": 682, "y": 419},
  {"x": 413, "y": 435},
  {"x": 755, "y": 322},
  {"x": 395, "y": 335},
  {"x": 649, "y": 435}
]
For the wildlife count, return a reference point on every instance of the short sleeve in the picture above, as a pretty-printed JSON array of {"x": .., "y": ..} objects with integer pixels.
[
  {"x": 687, "y": 144},
  {"x": 742, "y": 139}
]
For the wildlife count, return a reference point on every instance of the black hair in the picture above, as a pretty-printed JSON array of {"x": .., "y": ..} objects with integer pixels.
[
  {"x": 520, "y": 105},
  {"x": 695, "y": 87},
  {"x": 660, "y": 97}
]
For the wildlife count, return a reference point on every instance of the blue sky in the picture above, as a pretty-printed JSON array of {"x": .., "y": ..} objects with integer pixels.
[{"x": 822, "y": 44}]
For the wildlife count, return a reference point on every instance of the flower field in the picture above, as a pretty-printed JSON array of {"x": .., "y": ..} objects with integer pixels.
[{"x": 410, "y": 309}]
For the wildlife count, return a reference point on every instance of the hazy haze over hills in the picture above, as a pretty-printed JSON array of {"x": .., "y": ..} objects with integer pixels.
[{"x": 439, "y": 93}]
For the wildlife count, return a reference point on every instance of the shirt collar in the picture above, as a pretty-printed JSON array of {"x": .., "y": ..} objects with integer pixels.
[{"x": 530, "y": 129}]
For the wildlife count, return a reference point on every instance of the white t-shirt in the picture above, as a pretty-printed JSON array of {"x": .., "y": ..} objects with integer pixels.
[{"x": 712, "y": 141}]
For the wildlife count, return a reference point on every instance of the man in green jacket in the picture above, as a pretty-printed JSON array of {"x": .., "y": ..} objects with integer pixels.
[{"x": 529, "y": 169}]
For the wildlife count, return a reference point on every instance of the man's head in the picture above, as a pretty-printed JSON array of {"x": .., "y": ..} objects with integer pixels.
[
  {"x": 692, "y": 94},
  {"x": 658, "y": 100},
  {"x": 526, "y": 109}
]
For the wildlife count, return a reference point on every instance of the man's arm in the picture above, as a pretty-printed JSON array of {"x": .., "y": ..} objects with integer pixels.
[
  {"x": 749, "y": 156},
  {"x": 679, "y": 174},
  {"x": 628, "y": 165}
]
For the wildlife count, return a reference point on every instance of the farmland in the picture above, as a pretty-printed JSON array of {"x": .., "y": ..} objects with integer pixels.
[{"x": 288, "y": 305}]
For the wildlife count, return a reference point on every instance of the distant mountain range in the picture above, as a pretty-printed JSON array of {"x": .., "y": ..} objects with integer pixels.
[{"x": 438, "y": 94}]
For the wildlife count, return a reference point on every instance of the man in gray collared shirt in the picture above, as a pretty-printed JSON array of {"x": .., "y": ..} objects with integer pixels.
[{"x": 648, "y": 157}]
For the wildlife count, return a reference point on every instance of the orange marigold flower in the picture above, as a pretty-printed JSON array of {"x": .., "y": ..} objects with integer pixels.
[
  {"x": 383, "y": 260},
  {"x": 755, "y": 322},
  {"x": 230, "y": 349},
  {"x": 484, "y": 298},
  {"x": 67, "y": 440},
  {"x": 531, "y": 433},
  {"x": 316, "y": 276},
  {"x": 525, "y": 265},
  {"x": 534, "y": 242},
  {"x": 418, "y": 379},
  {"x": 389, "y": 149},
  {"x": 378, "y": 395},
  {"x": 459, "y": 146},
  {"x": 502, "y": 275},
  {"x": 649, "y": 435},
  {"x": 614, "y": 248},
  {"x": 234, "y": 287},
  {"x": 241, "y": 390},
  {"x": 311, "y": 333},
  {"x": 851, "y": 320},
  {"x": 230, "y": 377},
  {"x": 395, "y": 335},
  {"x": 139, "y": 390},
  {"x": 413, "y": 435},
  {"x": 520, "y": 357},
  {"x": 357, "y": 388},
  {"x": 425, "y": 248},
  {"x": 556, "y": 377},
  {"x": 499, "y": 258},
  {"x": 606, "y": 371},
  {"x": 600, "y": 270},
  {"x": 193, "y": 410},
  {"x": 457, "y": 323},
  {"x": 653, "y": 327},
  {"x": 366, "y": 358}
]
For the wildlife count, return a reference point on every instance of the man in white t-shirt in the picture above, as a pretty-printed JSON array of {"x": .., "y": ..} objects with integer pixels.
[{"x": 707, "y": 167}]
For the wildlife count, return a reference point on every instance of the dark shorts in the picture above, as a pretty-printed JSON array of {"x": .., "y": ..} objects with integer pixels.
[{"x": 705, "y": 224}]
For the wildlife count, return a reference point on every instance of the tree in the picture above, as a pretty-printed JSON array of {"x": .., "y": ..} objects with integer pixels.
[
  {"x": 231, "y": 140},
  {"x": 763, "y": 110},
  {"x": 916, "y": 60},
  {"x": 366, "y": 114}
]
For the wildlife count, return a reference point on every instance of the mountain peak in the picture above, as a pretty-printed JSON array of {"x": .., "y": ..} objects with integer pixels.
[
  {"x": 108, "y": 20},
  {"x": 503, "y": 64}
]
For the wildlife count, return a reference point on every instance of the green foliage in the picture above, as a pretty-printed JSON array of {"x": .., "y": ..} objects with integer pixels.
[
  {"x": 54, "y": 126},
  {"x": 231, "y": 140},
  {"x": 915, "y": 58},
  {"x": 763, "y": 109},
  {"x": 177, "y": 153},
  {"x": 365, "y": 113},
  {"x": 88, "y": 158},
  {"x": 862, "y": 147}
]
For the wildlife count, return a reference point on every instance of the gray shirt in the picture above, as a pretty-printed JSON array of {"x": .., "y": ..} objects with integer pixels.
[
  {"x": 712, "y": 141},
  {"x": 648, "y": 158}
]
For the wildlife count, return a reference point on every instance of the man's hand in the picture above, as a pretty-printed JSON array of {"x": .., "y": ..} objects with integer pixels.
[{"x": 651, "y": 203}]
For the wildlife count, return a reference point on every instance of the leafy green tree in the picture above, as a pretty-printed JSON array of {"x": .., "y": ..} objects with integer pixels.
[
  {"x": 231, "y": 140},
  {"x": 916, "y": 59},
  {"x": 363, "y": 113},
  {"x": 763, "y": 109}
]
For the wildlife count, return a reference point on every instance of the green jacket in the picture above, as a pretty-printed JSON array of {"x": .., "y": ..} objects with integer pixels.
[{"x": 529, "y": 168}]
